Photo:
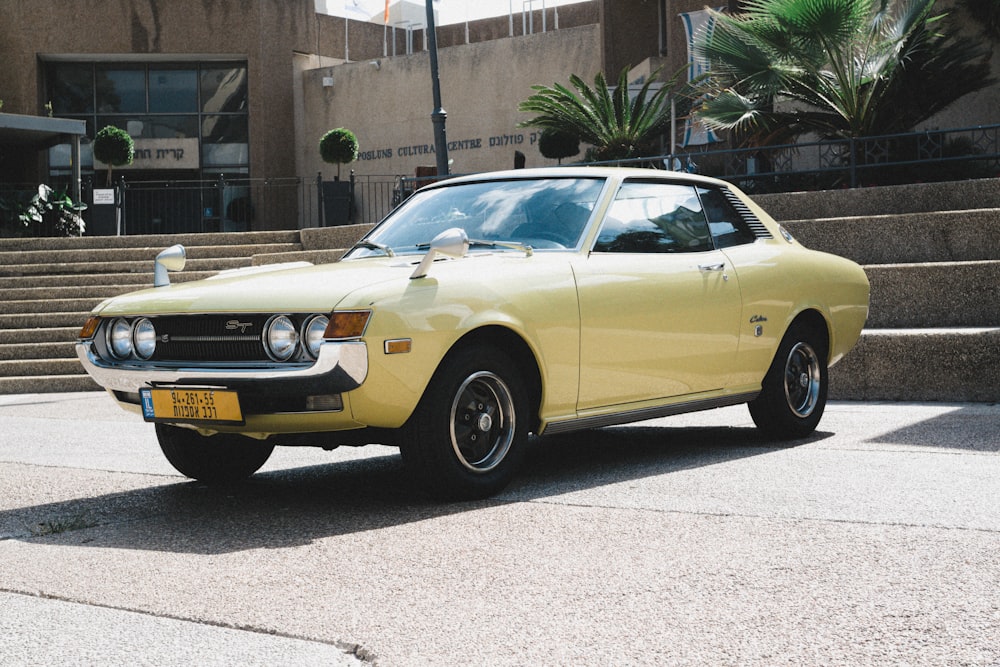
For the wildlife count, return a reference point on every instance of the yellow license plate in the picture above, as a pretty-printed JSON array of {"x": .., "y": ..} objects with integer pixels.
[{"x": 217, "y": 406}]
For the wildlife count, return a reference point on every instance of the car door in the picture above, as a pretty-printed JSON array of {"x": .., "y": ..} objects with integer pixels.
[{"x": 659, "y": 305}]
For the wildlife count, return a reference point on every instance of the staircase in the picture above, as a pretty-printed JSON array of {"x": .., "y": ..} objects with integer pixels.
[
  {"x": 49, "y": 285},
  {"x": 933, "y": 332}
]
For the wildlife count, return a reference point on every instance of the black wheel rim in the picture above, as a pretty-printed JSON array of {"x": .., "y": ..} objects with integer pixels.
[
  {"x": 803, "y": 379},
  {"x": 482, "y": 422}
]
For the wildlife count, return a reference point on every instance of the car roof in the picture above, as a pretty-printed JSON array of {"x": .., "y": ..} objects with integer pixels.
[{"x": 617, "y": 173}]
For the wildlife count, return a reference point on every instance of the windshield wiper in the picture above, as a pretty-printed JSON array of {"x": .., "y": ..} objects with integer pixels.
[
  {"x": 473, "y": 243},
  {"x": 371, "y": 245}
]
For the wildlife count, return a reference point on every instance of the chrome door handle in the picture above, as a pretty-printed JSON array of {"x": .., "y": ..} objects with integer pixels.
[{"x": 712, "y": 267}]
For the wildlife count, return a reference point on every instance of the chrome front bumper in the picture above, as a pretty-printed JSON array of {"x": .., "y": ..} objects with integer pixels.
[{"x": 339, "y": 367}]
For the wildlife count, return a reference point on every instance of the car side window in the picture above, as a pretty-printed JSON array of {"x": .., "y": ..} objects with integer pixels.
[
  {"x": 655, "y": 217},
  {"x": 726, "y": 224}
]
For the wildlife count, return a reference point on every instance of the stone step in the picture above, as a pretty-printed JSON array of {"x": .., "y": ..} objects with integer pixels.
[
  {"x": 149, "y": 241},
  {"x": 941, "y": 294},
  {"x": 918, "y": 237},
  {"x": 312, "y": 256},
  {"x": 42, "y": 320},
  {"x": 921, "y": 365},
  {"x": 129, "y": 281},
  {"x": 900, "y": 199},
  {"x": 40, "y": 335},
  {"x": 77, "y": 268},
  {"x": 47, "y": 384},
  {"x": 35, "y": 367},
  {"x": 326, "y": 238},
  {"x": 9, "y": 294},
  {"x": 30, "y": 349},
  {"x": 81, "y": 305},
  {"x": 141, "y": 255}
]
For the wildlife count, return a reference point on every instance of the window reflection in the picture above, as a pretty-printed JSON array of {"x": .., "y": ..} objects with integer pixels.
[
  {"x": 173, "y": 90},
  {"x": 121, "y": 90}
]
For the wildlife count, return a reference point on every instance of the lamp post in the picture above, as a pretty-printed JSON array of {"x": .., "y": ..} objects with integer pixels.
[{"x": 439, "y": 115}]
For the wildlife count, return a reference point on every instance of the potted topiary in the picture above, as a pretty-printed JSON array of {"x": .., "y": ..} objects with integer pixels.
[
  {"x": 557, "y": 144},
  {"x": 338, "y": 146},
  {"x": 114, "y": 147}
]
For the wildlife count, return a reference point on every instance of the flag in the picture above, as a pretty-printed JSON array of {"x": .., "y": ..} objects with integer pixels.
[{"x": 385, "y": 16}]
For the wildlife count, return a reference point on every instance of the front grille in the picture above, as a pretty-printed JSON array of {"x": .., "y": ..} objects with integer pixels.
[{"x": 210, "y": 338}]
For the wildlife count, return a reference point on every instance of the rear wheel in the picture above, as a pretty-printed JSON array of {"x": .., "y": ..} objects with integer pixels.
[
  {"x": 793, "y": 393},
  {"x": 224, "y": 457},
  {"x": 467, "y": 437}
]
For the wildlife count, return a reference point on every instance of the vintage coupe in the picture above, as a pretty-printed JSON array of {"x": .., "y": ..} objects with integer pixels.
[{"x": 484, "y": 309}]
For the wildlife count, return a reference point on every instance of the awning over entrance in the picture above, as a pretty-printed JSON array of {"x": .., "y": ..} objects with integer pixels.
[{"x": 40, "y": 132}]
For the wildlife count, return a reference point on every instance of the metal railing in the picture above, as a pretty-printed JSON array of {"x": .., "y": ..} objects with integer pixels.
[
  {"x": 914, "y": 157},
  {"x": 237, "y": 204},
  {"x": 246, "y": 204}
]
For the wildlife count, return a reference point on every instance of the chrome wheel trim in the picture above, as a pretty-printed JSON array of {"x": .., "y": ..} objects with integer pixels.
[
  {"x": 482, "y": 422},
  {"x": 803, "y": 379}
]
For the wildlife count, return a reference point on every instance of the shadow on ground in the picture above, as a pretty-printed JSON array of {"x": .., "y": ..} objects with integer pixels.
[{"x": 292, "y": 507}]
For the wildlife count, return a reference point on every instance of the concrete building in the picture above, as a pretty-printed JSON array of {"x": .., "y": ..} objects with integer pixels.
[{"x": 243, "y": 89}]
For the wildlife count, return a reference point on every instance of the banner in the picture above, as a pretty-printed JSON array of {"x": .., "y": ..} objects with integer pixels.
[{"x": 695, "y": 24}]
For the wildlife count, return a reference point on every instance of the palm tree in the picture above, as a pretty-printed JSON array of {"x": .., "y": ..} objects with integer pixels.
[
  {"x": 840, "y": 68},
  {"x": 616, "y": 124}
]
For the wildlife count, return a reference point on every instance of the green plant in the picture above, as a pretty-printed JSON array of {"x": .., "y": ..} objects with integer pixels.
[
  {"x": 556, "y": 144},
  {"x": 338, "y": 146},
  {"x": 617, "y": 124},
  {"x": 840, "y": 68},
  {"x": 114, "y": 147},
  {"x": 45, "y": 203}
]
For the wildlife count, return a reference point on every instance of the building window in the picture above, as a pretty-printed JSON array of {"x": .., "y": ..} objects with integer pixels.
[{"x": 185, "y": 117}]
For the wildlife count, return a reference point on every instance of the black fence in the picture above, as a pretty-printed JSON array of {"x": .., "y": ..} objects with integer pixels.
[
  {"x": 234, "y": 204},
  {"x": 915, "y": 157}
]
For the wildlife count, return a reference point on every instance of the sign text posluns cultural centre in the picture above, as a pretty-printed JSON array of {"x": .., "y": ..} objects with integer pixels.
[{"x": 416, "y": 150}]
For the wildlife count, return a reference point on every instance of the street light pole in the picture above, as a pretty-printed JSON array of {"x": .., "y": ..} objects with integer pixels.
[{"x": 439, "y": 115}]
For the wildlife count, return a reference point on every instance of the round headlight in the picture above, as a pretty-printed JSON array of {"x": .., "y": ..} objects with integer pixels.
[
  {"x": 120, "y": 338},
  {"x": 144, "y": 338},
  {"x": 312, "y": 333},
  {"x": 281, "y": 338}
]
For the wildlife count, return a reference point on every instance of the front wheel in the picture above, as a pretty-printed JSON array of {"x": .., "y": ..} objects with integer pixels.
[
  {"x": 467, "y": 437},
  {"x": 793, "y": 393},
  {"x": 220, "y": 458}
]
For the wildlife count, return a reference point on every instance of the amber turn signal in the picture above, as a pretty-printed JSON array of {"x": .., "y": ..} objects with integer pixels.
[
  {"x": 89, "y": 328},
  {"x": 347, "y": 324}
]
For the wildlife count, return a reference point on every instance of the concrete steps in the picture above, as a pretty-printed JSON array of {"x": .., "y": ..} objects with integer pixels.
[{"x": 933, "y": 332}]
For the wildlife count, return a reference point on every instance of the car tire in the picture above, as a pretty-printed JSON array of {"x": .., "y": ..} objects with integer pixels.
[
  {"x": 793, "y": 393},
  {"x": 467, "y": 437},
  {"x": 220, "y": 458}
]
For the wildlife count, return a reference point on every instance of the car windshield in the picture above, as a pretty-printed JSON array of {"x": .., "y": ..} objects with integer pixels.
[{"x": 545, "y": 213}]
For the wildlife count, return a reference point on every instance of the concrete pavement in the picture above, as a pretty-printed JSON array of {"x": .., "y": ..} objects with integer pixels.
[{"x": 687, "y": 540}]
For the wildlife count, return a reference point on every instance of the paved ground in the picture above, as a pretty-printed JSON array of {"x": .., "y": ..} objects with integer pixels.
[{"x": 685, "y": 541}]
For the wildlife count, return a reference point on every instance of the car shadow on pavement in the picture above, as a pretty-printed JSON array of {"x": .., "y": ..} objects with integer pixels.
[{"x": 286, "y": 508}]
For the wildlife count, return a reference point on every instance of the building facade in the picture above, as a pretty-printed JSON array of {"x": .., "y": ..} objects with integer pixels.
[{"x": 243, "y": 89}]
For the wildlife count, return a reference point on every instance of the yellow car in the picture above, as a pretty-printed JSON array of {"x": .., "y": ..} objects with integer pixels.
[{"x": 483, "y": 309}]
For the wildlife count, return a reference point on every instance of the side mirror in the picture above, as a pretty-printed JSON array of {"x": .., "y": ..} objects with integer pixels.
[
  {"x": 452, "y": 242},
  {"x": 171, "y": 259}
]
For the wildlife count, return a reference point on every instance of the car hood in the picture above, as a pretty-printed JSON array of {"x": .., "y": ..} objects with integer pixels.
[{"x": 298, "y": 288}]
